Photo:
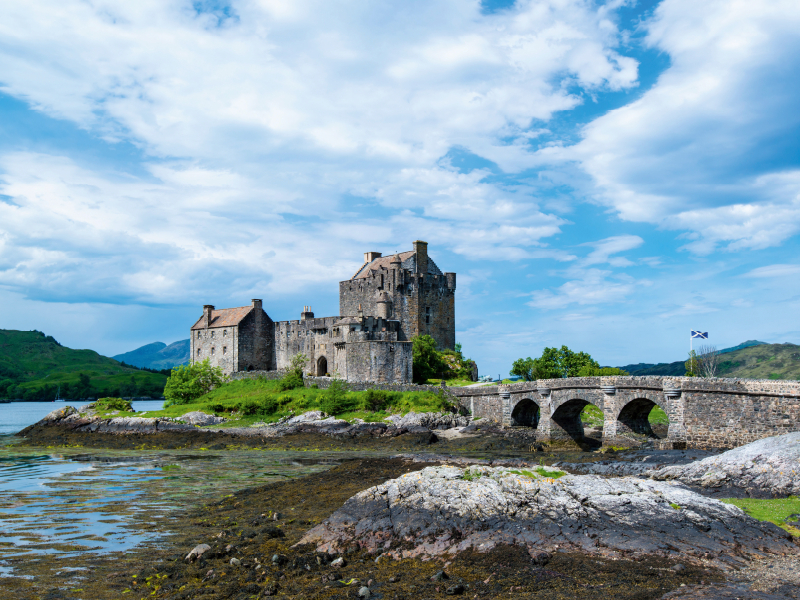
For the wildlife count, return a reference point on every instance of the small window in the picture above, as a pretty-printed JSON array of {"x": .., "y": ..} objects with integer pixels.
[
  {"x": 224, "y": 350},
  {"x": 428, "y": 309},
  {"x": 427, "y": 318},
  {"x": 224, "y": 332},
  {"x": 212, "y": 335},
  {"x": 198, "y": 352},
  {"x": 212, "y": 350},
  {"x": 198, "y": 335}
]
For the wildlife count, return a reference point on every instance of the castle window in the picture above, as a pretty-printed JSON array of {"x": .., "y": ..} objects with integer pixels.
[
  {"x": 224, "y": 349},
  {"x": 198, "y": 335},
  {"x": 427, "y": 318},
  {"x": 212, "y": 350},
  {"x": 224, "y": 332},
  {"x": 428, "y": 309},
  {"x": 198, "y": 352}
]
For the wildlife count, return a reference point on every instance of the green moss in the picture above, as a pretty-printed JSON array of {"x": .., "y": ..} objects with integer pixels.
[
  {"x": 675, "y": 506},
  {"x": 540, "y": 471},
  {"x": 778, "y": 511}
]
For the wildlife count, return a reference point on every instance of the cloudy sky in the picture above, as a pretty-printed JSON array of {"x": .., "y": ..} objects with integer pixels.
[{"x": 606, "y": 175}]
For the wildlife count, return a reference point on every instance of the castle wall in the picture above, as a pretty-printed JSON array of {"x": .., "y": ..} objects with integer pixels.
[
  {"x": 255, "y": 347},
  {"x": 218, "y": 344},
  {"x": 379, "y": 361},
  {"x": 313, "y": 337}
]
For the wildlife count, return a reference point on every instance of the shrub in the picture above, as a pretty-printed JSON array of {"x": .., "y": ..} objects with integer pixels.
[
  {"x": 266, "y": 406},
  {"x": 376, "y": 400},
  {"x": 187, "y": 383},
  {"x": 113, "y": 404},
  {"x": 292, "y": 380},
  {"x": 336, "y": 400}
]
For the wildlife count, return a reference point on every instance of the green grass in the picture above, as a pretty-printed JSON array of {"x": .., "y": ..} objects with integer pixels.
[
  {"x": 775, "y": 511},
  {"x": 249, "y": 401},
  {"x": 675, "y": 506},
  {"x": 593, "y": 417},
  {"x": 34, "y": 366},
  {"x": 450, "y": 382}
]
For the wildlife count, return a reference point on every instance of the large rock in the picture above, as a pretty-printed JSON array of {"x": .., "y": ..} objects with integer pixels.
[
  {"x": 58, "y": 414},
  {"x": 307, "y": 417},
  {"x": 437, "y": 511},
  {"x": 429, "y": 420},
  {"x": 768, "y": 468},
  {"x": 200, "y": 418}
]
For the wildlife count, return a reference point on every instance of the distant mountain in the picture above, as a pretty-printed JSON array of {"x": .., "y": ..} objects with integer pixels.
[
  {"x": 34, "y": 366},
  {"x": 749, "y": 360},
  {"x": 157, "y": 355}
]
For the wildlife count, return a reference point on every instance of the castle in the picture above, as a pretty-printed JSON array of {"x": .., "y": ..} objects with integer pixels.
[{"x": 389, "y": 301}]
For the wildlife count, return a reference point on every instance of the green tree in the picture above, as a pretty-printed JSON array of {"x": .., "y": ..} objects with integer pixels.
[
  {"x": 692, "y": 365},
  {"x": 294, "y": 374},
  {"x": 426, "y": 361},
  {"x": 525, "y": 368},
  {"x": 188, "y": 382},
  {"x": 555, "y": 363},
  {"x": 83, "y": 389},
  {"x": 336, "y": 399}
]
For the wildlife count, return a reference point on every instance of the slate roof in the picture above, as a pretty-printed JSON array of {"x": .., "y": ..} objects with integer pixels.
[
  {"x": 408, "y": 260},
  {"x": 379, "y": 263},
  {"x": 224, "y": 317}
]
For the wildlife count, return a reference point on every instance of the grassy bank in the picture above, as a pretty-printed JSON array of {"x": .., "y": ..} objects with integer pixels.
[
  {"x": 256, "y": 400},
  {"x": 784, "y": 512},
  {"x": 593, "y": 416}
]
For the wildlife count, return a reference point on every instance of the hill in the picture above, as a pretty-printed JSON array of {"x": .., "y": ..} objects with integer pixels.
[
  {"x": 34, "y": 366},
  {"x": 750, "y": 360},
  {"x": 157, "y": 355}
]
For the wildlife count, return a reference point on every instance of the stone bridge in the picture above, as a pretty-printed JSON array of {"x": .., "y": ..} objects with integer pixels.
[{"x": 702, "y": 412}]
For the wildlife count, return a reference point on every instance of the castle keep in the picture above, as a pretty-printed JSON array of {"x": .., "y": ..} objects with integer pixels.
[{"x": 389, "y": 301}]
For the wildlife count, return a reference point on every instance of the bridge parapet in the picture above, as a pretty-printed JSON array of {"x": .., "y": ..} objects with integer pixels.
[{"x": 702, "y": 412}]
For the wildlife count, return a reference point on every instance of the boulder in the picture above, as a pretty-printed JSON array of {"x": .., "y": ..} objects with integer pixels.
[
  {"x": 429, "y": 420},
  {"x": 58, "y": 414},
  {"x": 307, "y": 417},
  {"x": 767, "y": 468},
  {"x": 200, "y": 418},
  {"x": 445, "y": 510}
]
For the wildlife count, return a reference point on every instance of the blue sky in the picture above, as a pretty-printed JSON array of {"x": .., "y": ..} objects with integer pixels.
[{"x": 602, "y": 175}]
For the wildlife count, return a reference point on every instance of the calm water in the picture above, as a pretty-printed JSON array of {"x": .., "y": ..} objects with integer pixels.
[
  {"x": 16, "y": 416},
  {"x": 57, "y": 505}
]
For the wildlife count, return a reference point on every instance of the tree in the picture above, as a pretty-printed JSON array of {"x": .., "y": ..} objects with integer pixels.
[
  {"x": 83, "y": 389},
  {"x": 426, "y": 362},
  {"x": 555, "y": 363},
  {"x": 294, "y": 374},
  {"x": 708, "y": 360},
  {"x": 692, "y": 365},
  {"x": 188, "y": 382}
]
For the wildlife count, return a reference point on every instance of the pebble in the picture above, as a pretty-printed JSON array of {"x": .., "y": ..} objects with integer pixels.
[
  {"x": 278, "y": 559},
  {"x": 455, "y": 590},
  {"x": 364, "y": 592},
  {"x": 440, "y": 576},
  {"x": 235, "y": 562},
  {"x": 679, "y": 568},
  {"x": 197, "y": 552},
  {"x": 339, "y": 562}
]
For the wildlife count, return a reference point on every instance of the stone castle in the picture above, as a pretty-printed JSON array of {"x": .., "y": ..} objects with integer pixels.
[{"x": 389, "y": 301}]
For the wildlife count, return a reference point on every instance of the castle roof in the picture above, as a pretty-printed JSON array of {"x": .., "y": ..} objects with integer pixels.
[
  {"x": 348, "y": 321},
  {"x": 408, "y": 261},
  {"x": 224, "y": 317},
  {"x": 382, "y": 263}
]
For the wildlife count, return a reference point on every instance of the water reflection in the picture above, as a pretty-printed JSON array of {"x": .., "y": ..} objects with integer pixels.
[{"x": 70, "y": 503}]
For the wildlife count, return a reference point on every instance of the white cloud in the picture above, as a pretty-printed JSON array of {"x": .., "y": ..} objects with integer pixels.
[
  {"x": 711, "y": 148},
  {"x": 595, "y": 286},
  {"x": 258, "y": 117},
  {"x": 774, "y": 271}
]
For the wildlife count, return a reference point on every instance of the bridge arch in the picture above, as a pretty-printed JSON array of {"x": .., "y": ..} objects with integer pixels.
[
  {"x": 565, "y": 419},
  {"x": 526, "y": 412},
  {"x": 634, "y": 414}
]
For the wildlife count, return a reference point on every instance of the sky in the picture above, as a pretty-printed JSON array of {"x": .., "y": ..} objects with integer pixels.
[{"x": 605, "y": 175}]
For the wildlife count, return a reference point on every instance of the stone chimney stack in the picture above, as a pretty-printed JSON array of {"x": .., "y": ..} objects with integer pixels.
[
  {"x": 451, "y": 280},
  {"x": 256, "y": 304},
  {"x": 307, "y": 314},
  {"x": 208, "y": 309},
  {"x": 370, "y": 256},
  {"x": 421, "y": 250}
]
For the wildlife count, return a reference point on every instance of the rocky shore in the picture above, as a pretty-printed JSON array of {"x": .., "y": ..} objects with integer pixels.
[{"x": 441, "y": 511}]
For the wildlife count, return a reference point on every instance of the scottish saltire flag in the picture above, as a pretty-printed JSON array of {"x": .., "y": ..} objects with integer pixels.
[{"x": 700, "y": 334}]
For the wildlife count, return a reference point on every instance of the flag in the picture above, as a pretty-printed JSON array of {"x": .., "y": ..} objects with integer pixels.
[{"x": 700, "y": 334}]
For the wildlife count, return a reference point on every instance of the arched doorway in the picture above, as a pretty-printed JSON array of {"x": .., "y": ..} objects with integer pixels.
[
  {"x": 322, "y": 366},
  {"x": 526, "y": 413},
  {"x": 250, "y": 368},
  {"x": 568, "y": 423},
  {"x": 643, "y": 417}
]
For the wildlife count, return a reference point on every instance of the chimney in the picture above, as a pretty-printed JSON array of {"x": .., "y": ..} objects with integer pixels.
[
  {"x": 306, "y": 314},
  {"x": 208, "y": 309},
  {"x": 370, "y": 256},
  {"x": 451, "y": 280},
  {"x": 256, "y": 304},
  {"x": 421, "y": 250}
]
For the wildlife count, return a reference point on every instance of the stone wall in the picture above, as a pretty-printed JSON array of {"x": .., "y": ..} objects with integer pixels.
[
  {"x": 703, "y": 413},
  {"x": 360, "y": 386},
  {"x": 379, "y": 361}
]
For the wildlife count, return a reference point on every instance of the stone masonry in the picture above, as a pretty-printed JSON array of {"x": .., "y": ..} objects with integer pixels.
[
  {"x": 703, "y": 413},
  {"x": 389, "y": 301}
]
